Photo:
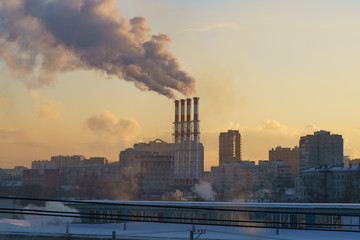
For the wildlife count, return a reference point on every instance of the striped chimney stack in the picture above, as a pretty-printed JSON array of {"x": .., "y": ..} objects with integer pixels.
[
  {"x": 186, "y": 164},
  {"x": 176, "y": 134}
]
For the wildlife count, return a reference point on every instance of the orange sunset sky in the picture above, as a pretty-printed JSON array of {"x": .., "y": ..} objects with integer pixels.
[{"x": 275, "y": 70}]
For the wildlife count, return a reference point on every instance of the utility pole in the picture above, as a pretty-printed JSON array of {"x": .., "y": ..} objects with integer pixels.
[{"x": 198, "y": 232}]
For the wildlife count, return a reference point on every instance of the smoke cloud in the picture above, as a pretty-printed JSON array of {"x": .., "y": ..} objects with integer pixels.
[
  {"x": 47, "y": 220},
  {"x": 106, "y": 124},
  {"x": 39, "y": 39},
  {"x": 204, "y": 191}
]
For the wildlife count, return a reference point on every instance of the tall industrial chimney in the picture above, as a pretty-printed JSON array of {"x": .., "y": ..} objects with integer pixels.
[
  {"x": 195, "y": 169},
  {"x": 176, "y": 152},
  {"x": 188, "y": 132},
  {"x": 182, "y": 140},
  {"x": 188, "y": 162}
]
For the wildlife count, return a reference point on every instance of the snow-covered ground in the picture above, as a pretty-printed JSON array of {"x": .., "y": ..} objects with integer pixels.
[{"x": 141, "y": 230}]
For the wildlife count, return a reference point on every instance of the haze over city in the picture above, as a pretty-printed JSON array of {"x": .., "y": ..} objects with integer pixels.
[{"x": 275, "y": 71}]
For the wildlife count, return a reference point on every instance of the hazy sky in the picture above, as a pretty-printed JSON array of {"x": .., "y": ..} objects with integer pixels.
[{"x": 275, "y": 70}]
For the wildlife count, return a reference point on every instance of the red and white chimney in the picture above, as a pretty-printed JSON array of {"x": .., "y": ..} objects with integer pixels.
[
  {"x": 176, "y": 134},
  {"x": 182, "y": 139},
  {"x": 188, "y": 139},
  {"x": 195, "y": 155}
]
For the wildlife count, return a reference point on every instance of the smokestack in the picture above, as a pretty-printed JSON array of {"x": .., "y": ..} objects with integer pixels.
[
  {"x": 176, "y": 145},
  {"x": 195, "y": 167},
  {"x": 188, "y": 132},
  {"x": 182, "y": 142}
]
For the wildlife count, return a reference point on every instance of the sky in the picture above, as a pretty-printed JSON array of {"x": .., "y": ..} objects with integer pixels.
[{"x": 274, "y": 70}]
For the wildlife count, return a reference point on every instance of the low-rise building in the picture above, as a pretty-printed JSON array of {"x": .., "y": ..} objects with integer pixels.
[
  {"x": 330, "y": 184},
  {"x": 49, "y": 181},
  {"x": 241, "y": 180}
]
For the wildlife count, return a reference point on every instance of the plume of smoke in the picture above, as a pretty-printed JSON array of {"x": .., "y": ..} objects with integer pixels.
[
  {"x": 174, "y": 196},
  {"x": 47, "y": 220},
  {"x": 204, "y": 191},
  {"x": 127, "y": 184},
  {"x": 39, "y": 39}
]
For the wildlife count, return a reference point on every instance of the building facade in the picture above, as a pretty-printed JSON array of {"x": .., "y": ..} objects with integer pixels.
[
  {"x": 288, "y": 156},
  {"x": 330, "y": 184},
  {"x": 49, "y": 180},
  {"x": 156, "y": 175},
  {"x": 241, "y": 180},
  {"x": 64, "y": 161},
  {"x": 153, "y": 164},
  {"x": 229, "y": 147},
  {"x": 129, "y": 156},
  {"x": 319, "y": 149}
]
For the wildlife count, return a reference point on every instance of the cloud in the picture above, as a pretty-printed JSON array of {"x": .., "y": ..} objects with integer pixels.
[
  {"x": 107, "y": 126},
  {"x": 266, "y": 127},
  {"x": 273, "y": 126},
  {"x": 310, "y": 128},
  {"x": 230, "y": 26},
  {"x": 40, "y": 39},
  {"x": 46, "y": 108},
  {"x": 8, "y": 134}
]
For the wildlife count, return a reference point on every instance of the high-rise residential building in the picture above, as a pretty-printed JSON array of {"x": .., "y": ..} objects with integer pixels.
[
  {"x": 288, "y": 156},
  {"x": 229, "y": 147},
  {"x": 319, "y": 149}
]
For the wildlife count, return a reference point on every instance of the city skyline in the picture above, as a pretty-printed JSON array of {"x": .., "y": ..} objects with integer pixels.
[{"x": 273, "y": 71}]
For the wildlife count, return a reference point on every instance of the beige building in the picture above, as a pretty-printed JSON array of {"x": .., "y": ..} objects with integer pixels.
[{"x": 288, "y": 156}]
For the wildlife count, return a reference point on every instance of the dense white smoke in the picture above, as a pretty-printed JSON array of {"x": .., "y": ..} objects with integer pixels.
[
  {"x": 39, "y": 39},
  {"x": 50, "y": 220},
  {"x": 204, "y": 191}
]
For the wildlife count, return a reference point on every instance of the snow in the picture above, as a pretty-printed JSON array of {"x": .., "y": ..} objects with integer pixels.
[
  {"x": 12, "y": 184},
  {"x": 141, "y": 230},
  {"x": 233, "y": 204}
]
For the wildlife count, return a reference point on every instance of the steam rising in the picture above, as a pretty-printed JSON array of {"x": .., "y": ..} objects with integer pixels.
[
  {"x": 39, "y": 39},
  {"x": 204, "y": 191},
  {"x": 47, "y": 220}
]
